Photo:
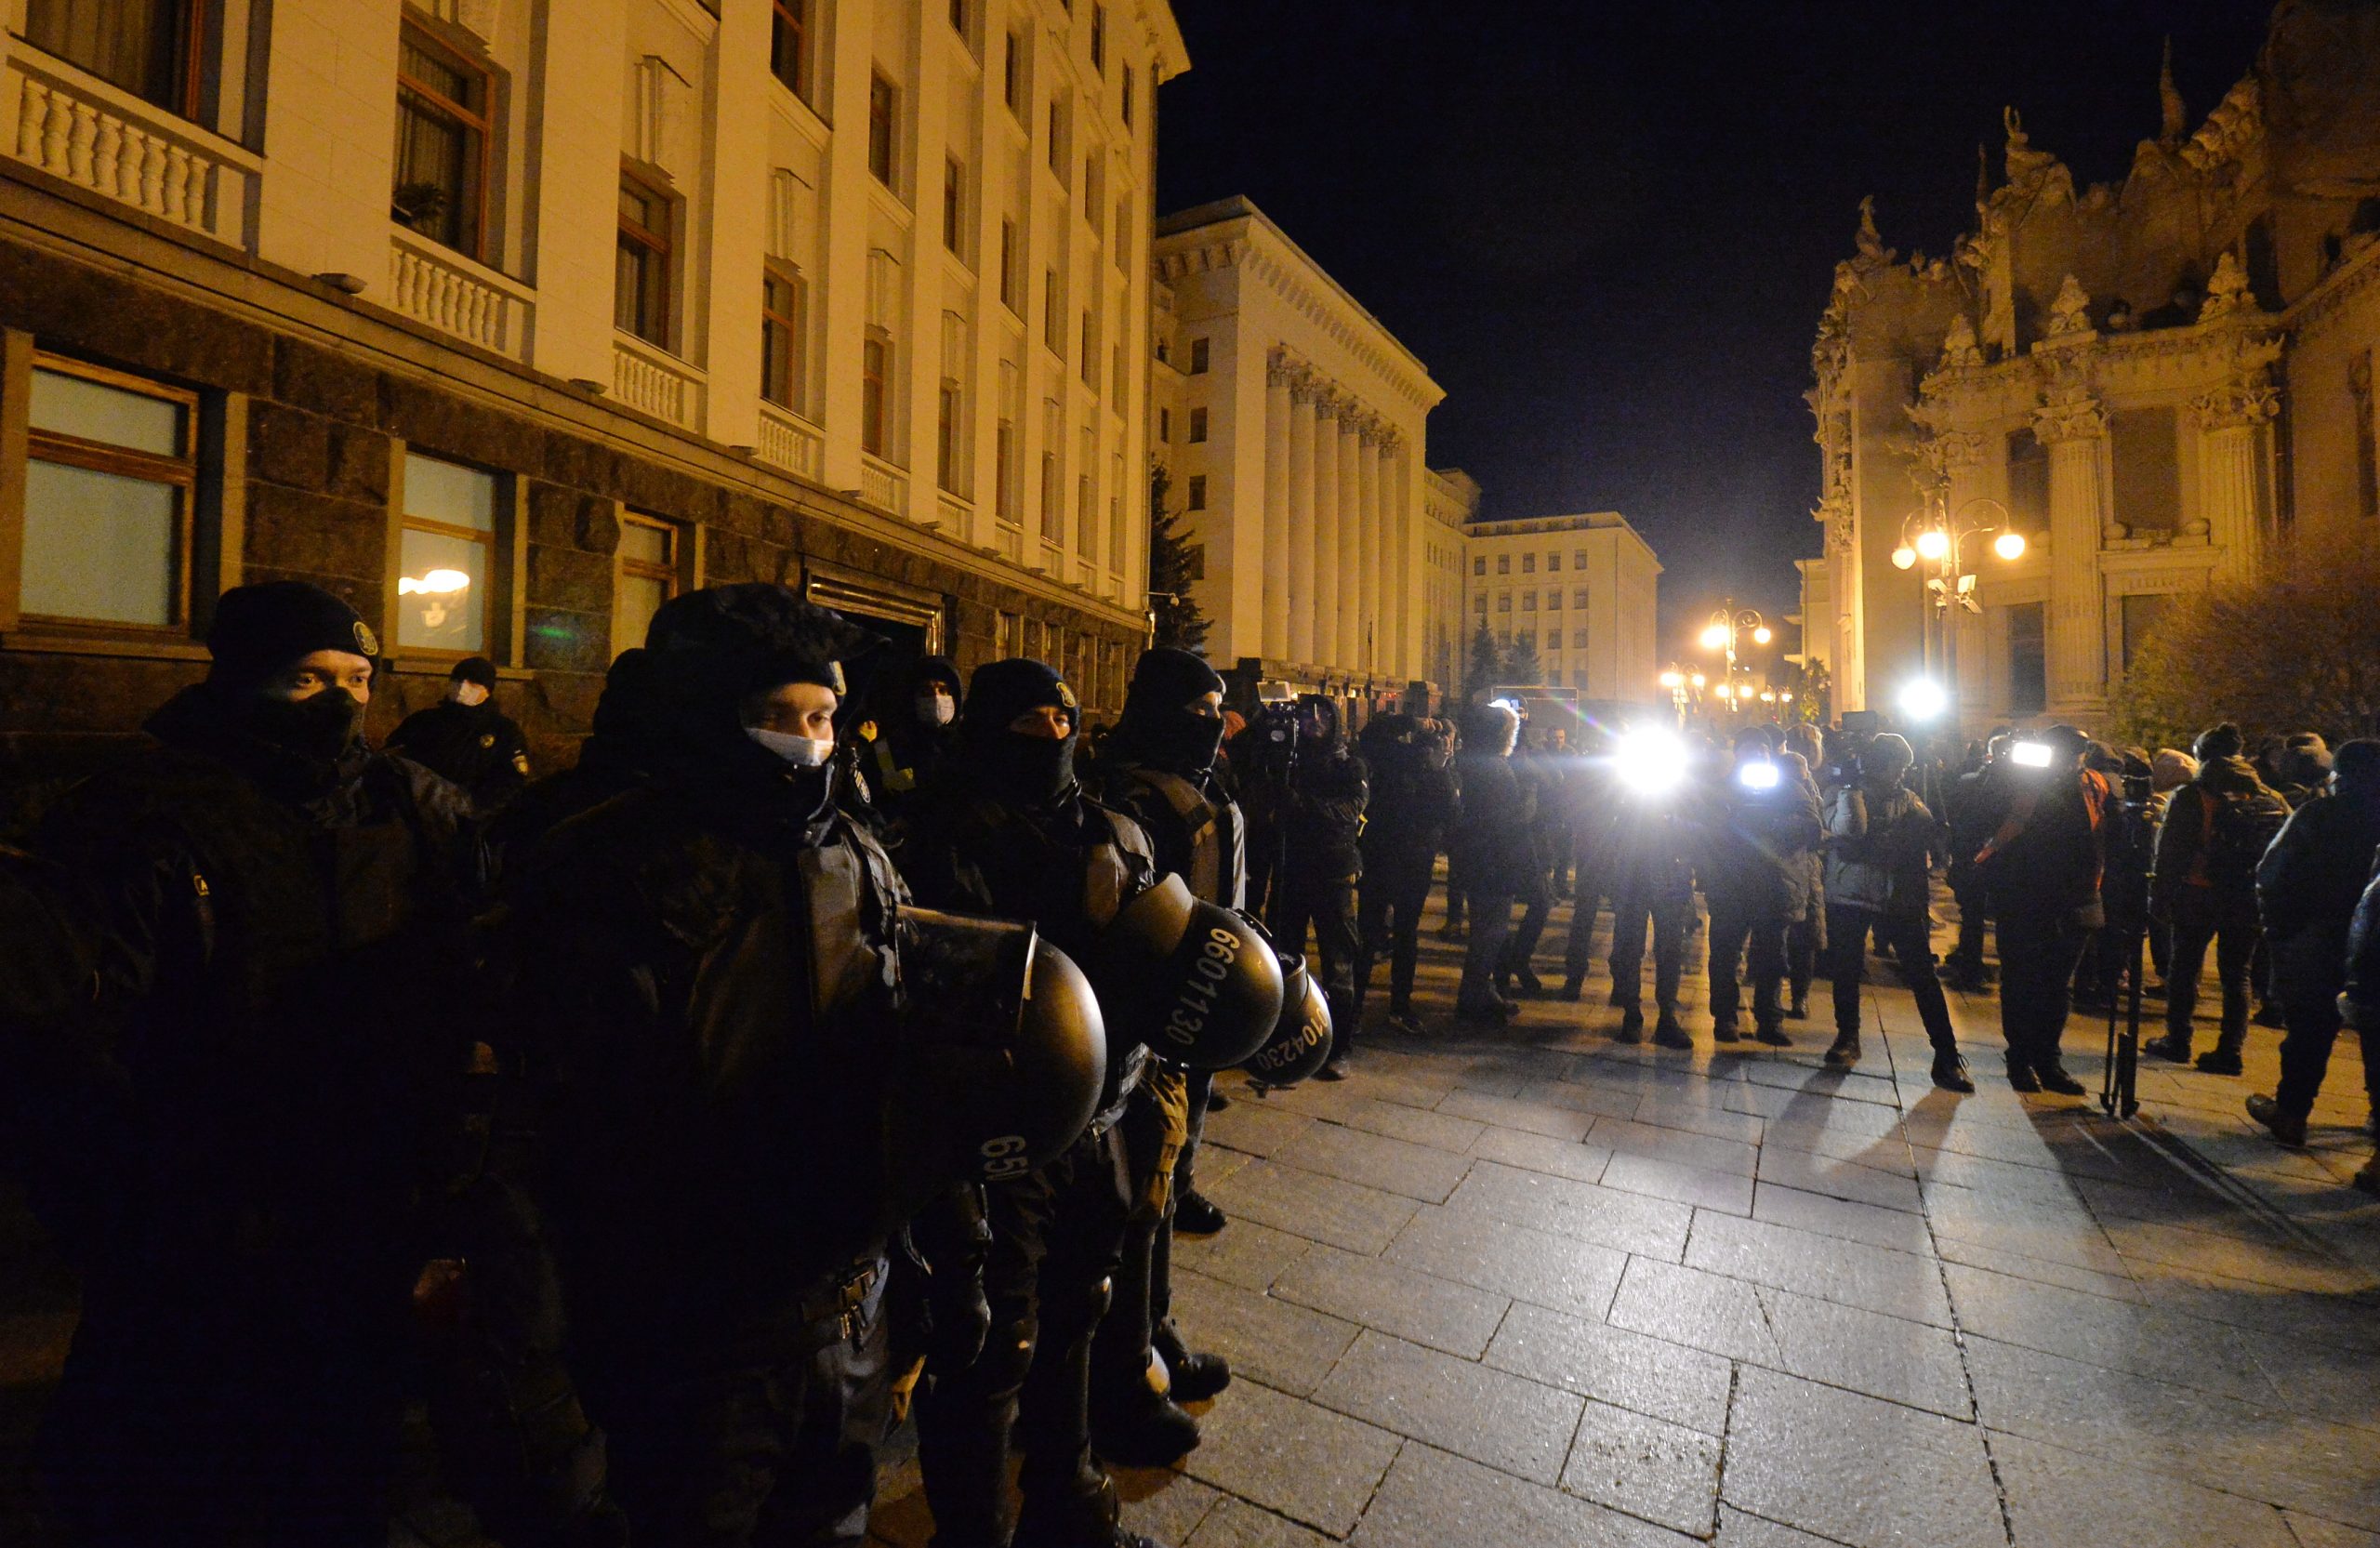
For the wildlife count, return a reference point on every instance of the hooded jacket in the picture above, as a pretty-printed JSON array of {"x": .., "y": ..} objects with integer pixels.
[
  {"x": 1323, "y": 813},
  {"x": 2311, "y": 879},
  {"x": 1758, "y": 863},
  {"x": 1412, "y": 800},
  {"x": 2183, "y": 835}
]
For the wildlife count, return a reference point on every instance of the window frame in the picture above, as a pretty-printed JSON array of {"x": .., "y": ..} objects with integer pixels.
[
  {"x": 793, "y": 327},
  {"x": 954, "y": 205},
  {"x": 1198, "y": 431},
  {"x": 1012, "y": 267},
  {"x": 794, "y": 17},
  {"x": 884, "y": 131},
  {"x": 671, "y": 572},
  {"x": 190, "y": 80},
  {"x": 98, "y": 457},
  {"x": 875, "y": 417},
  {"x": 949, "y": 457},
  {"x": 499, "y": 605},
  {"x": 662, "y": 245},
  {"x": 480, "y": 127},
  {"x": 1200, "y": 360},
  {"x": 1194, "y": 495},
  {"x": 1013, "y": 76}
]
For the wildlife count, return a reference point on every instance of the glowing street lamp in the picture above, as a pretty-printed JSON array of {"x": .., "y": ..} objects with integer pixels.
[{"x": 1934, "y": 536}]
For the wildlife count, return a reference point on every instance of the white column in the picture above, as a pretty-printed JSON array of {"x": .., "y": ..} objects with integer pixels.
[
  {"x": 1301, "y": 521},
  {"x": 2075, "y": 427},
  {"x": 1398, "y": 518},
  {"x": 2234, "y": 451},
  {"x": 1350, "y": 539},
  {"x": 1326, "y": 532},
  {"x": 1276, "y": 636},
  {"x": 1374, "y": 639},
  {"x": 734, "y": 189}
]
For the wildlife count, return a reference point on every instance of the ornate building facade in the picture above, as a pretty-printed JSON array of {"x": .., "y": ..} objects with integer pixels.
[
  {"x": 1292, "y": 425},
  {"x": 1582, "y": 591},
  {"x": 2157, "y": 383},
  {"x": 504, "y": 319}
]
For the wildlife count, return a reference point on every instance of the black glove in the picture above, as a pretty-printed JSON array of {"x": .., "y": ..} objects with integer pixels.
[{"x": 961, "y": 1320}]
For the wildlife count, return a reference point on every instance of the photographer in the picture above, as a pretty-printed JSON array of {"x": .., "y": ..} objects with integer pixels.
[
  {"x": 1492, "y": 847},
  {"x": 1756, "y": 879},
  {"x": 1974, "y": 798},
  {"x": 2215, "y": 832},
  {"x": 2043, "y": 864},
  {"x": 1880, "y": 846},
  {"x": 2308, "y": 886},
  {"x": 1412, "y": 803}
]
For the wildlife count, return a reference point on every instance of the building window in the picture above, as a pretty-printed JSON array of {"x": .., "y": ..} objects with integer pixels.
[
  {"x": 647, "y": 578},
  {"x": 1099, "y": 38},
  {"x": 1503, "y": 601},
  {"x": 1578, "y": 560},
  {"x": 1528, "y": 602},
  {"x": 1090, "y": 349},
  {"x": 2367, "y": 435},
  {"x": 1479, "y": 564},
  {"x": 958, "y": 17},
  {"x": 1198, "y": 425},
  {"x": 1198, "y": 492},
  {"x": 641, "y": 293},
  {"x": 1579, "y": 597},
  {"x": 1126, "y": 101},
  {"x": 789, "y": 46},
  {"x": 110, "y": 475},
  {"x": 1553, "y": 562},
  {"x": 1528, "y": 563},
  {"x": 1052, "y": 520},
  {"x": 1013, "y": 73},
  {"x": 1165, "y": 427},
  {"x": 954, "y": 205},
  {"x": 2027, "y": 660},
  {"x": 1058, "y": 139},
  {"x": 2145, "y": 458},
  {"x": 1503, "y": 564},
  {"x": 1004, "y": 469},
  {"x": 875, "y": 370},
  {"x": 1052, "y": 332},
  {"x": 445, "y": 543},
  {"x": 1554, "y": 599},
  {"x": 883, "y": 103},
  {"x": 442, "y": 133},
  {"x": 945, "y": 440},
  {"x": 1198, "y": 357},
  {"x": 153, "y": 48},
  {"x": 2142, "y": 612},
  {"x": 1009, "y": 297},
  {"x": 785, "y": 335},
  {"x": 1579, "y": 638},
  {"x": 2028, "y": 482}
]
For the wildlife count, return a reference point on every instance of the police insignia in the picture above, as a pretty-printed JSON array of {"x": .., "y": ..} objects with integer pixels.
[
  {"x": 488, "y": 740},
  {"x": 1066, "y": 695},
  {"x": 367, "y": 643}
]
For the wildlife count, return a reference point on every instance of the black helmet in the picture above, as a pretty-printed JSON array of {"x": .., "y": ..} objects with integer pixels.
[
  {"x": 1004, "y": 1049},
  {"x": 1193, "y": 980},
  {"x": 1300, "y": 1039}
]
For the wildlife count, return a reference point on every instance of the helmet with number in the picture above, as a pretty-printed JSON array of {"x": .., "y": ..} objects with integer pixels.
[
  {"x": 1194, "y": 981},
  {"x": 1300, "y": 1039},
  {"x": 1004, "y": 1054}
]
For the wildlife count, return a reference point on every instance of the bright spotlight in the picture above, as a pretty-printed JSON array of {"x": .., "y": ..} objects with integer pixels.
[
  {"x": 1672, "y": 680},
  {"x": 2009, "y": 545},
  {"x": 1933, "y": 543},
  {"x": 1651, "y": 761},
  {"x": 1759, "y": 773},
  {"x": 1904, "y": 557},
  {"x": 1762, "y": 635},
  {"x": 1923, "y": 700},
  {"x": 1715, "y": 636},
  {"x": 2030, "y": 755}
]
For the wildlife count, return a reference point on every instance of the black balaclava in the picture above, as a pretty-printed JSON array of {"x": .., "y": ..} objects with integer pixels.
[
  {"x": 1025, "y": 771},
  {"x": 1155, "y": 718},
  {"x": 260, "y": 630}
]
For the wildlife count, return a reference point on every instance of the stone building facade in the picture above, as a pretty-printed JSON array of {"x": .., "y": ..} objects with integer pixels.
[
  {"x": 507, "y": 319},
  {"x": 1450, "y": 500},
  {"x": 1582, "y": 590},
  {"x": 2160, "y": 382},
  {"x": 1296, "y": 451}
]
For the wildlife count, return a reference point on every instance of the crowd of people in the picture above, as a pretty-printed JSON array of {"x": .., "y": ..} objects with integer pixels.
[{"x": 835, "y": 1038}]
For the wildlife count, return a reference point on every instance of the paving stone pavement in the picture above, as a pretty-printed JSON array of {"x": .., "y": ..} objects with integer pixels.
[{"x": 1536, "y": 1288}]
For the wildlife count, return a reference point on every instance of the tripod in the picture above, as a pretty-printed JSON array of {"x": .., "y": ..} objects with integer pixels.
[{"x": 2119, "y": 1096}]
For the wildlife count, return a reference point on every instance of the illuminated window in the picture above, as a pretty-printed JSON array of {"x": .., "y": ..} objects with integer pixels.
[
  {"x": 446, "y": 541},
  {"x": 442, "y": 133},
  {"x": 110, "y": 474},
  {"x": 640, "y": 292},
  {"x": 646, "y": 575}
]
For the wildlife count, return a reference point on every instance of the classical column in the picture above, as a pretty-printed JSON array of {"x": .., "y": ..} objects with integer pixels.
[
  {"x": 1955, "y": 459},
  {"x": 1351, "y": 538},
  {"x": 1276, "y": 638},
  {"x": 1373, "y": 641},
  {"x": 1299, "y": 509},
  {"x": 1394, "y": 560},
  {"x": 1327, "y": 410},
  {"x": 2074, "y": 426},
  {"x": 2234, "y": 463}
]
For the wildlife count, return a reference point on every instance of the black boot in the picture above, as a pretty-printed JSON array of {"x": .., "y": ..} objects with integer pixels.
[
  {"x": 2219, "y": 1060},
  {"x": 1632, "y": 1027},
  {"x": 2178, "y": 1048},
  {"x": 1530, "y": 984},
  {"x": 1667, "y": 1033},
  {"x": 1091, "y": 1521},
  {"x": 2289, "y": 1131},
  {"x": 2053, "y": 1078},
  {"x": 2021, "y": 1076},
  {"x": 1191, "y": 1376},
  {"x": 1197, "y": 1215},
  {"x": 1950, "y": 1071},
  {"x": 1844, "y": 1052},
  {"x": 1151, "y": 1432}
]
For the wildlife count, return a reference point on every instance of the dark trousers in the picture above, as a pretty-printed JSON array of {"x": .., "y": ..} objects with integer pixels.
[
  {"x": 763, "y": 1436},
  {"x": 1735, "y": 934},
  {"x": 1578, "y": 953},
  {"x": 1804, "y": 938},
  {"x": 1535, "y": 895},
  {"x": 2200, "y": 918},
  {"x": 2038, "y": 951},
  {"x": 1482, "y": 955},
  {"x": 1144, "y": 1287},
  {"x": 1389, "y": 921},
  {"x": 1057, "y": 1236},
  {"x": 1561, "y": 841},
  {"x": 2308, "y": 971},
  {"x": 1671, "y": 917},
  {"x": 1966, "y": 958},
  {"x": 1328, "y": 907},
  {"x": 1910, "y": 939}
]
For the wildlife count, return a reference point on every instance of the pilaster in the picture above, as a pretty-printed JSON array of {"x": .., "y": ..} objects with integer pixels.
[
  {"x": 1301, "y": 528},
  {"x": 1327, "y": 566},
  {"x": 2073, "y": 423},
  {"x": 1278, "y": 583}
]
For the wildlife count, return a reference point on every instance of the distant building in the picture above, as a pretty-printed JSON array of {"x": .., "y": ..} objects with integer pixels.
[
  {"x": 2157, "y": 381},
  {"x": 506, "y": 321},
  {"x": 1581, "y": 590},
  {"x": 1450, "y": 500},
  {"x": 1291, "y": 424}
]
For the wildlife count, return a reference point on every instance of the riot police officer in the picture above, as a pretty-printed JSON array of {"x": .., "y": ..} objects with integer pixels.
[
  {"x": 1412, "y": 806},
  {"x": 1322, "y": 815},
  {"x": 229, "y": 1013},
  {"x": 1017, "y": 837},
  {"x": 468, "y": 739},
  {"x": 707, "y": 978}
]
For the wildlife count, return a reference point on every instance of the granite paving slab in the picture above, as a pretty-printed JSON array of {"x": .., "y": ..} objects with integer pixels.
[{"x": 1509, "y": 1423}]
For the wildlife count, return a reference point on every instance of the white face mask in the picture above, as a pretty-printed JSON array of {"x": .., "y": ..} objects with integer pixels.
[
  {"x": 802, "y": 752},
  {"x": 937, "y": 708}
]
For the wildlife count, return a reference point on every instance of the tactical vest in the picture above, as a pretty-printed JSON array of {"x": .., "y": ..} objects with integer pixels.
[{"x": 1217, "y": 835}]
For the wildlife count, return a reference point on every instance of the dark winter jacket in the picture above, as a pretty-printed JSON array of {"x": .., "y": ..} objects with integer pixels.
[
  {"x": 1492, "y": 846},
  {"x": 2360, "y": 994},
  {"x": 1195, "y": 828},
  {"x": 1758, "y": 862},
  {"x": 1412, "y": 803},
  {"x": 475, "y": 745},
  {"x": 2190, "y": 824},
  {"x": 1881, "y": 847},
  {"x": 2048, "y": 854},
  {"x": 1324, "y": 815},
  {"x": 2311, "y": 880}
]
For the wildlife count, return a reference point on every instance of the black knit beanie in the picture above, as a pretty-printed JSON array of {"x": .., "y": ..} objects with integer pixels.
[
  {"x": 1000, "y": 691},
  {"x": 260, "y": 629},
  {"x": 1166, "y": 678}
]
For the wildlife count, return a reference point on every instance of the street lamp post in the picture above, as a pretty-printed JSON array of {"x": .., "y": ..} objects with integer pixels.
[
  {"x": 1726, "y": 632},
  {"x": 1936, "y": 539}
]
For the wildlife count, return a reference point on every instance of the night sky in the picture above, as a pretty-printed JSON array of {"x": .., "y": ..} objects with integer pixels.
[{"x": 1609, "y": 237}]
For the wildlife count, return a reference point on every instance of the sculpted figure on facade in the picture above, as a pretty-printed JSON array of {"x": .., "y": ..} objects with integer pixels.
[
  {"x": 2226, "y": 289},
  {"x": 2070, "y": 314},
  {"x": 1961, "y": 349}
]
